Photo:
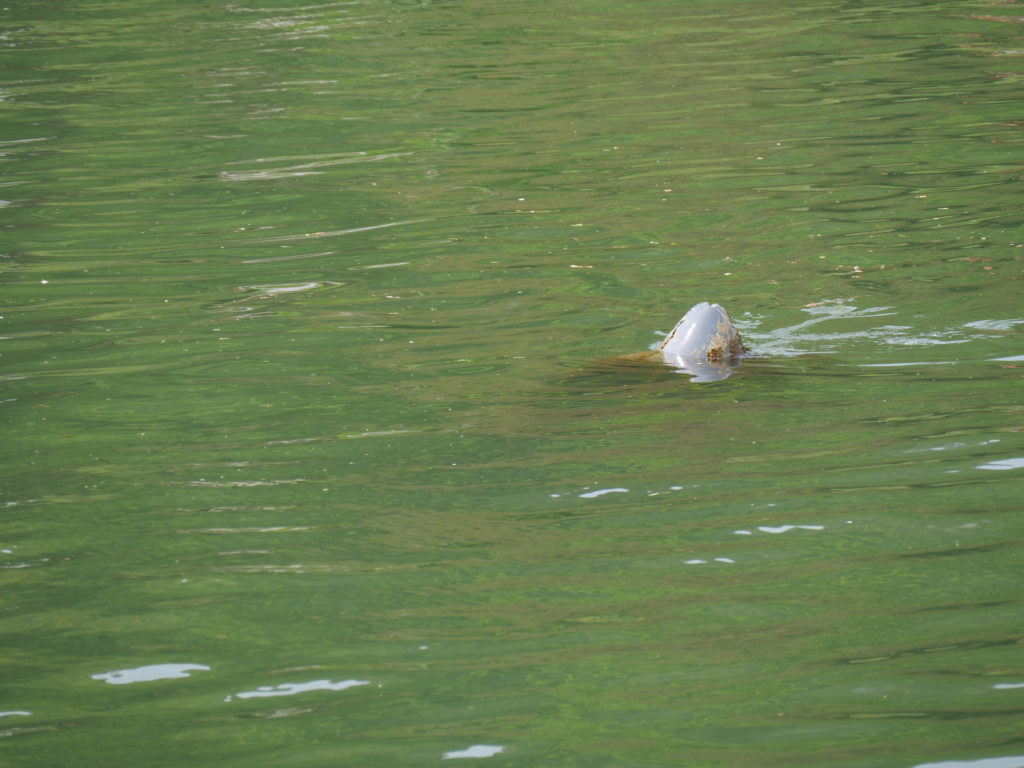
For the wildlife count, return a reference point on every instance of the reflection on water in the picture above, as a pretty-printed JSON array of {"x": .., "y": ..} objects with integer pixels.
[
  {"x": 290, "y": 689},
  {"x": 1000, "y": 464},
  {"x": 148, "y": 673},
  {"x": 477, "y": 750},
  {"x": 703, "y": 371},
  {"x": 781, "y": 529},
  {"x": 601, "y": 492}
]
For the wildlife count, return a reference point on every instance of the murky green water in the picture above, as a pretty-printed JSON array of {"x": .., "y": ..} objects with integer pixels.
[{"x": 315, "y": 451}]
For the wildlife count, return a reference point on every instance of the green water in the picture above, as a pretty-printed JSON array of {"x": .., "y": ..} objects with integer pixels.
[{"x": 306, "y": 372}]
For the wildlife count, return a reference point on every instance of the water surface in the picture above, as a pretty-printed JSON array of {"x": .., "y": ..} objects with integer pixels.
[{"x": 317, "y": 448}]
